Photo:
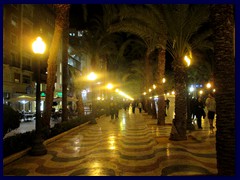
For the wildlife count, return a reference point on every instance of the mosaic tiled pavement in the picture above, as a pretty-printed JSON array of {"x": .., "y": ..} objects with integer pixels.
[{"x": 133, "y": 145}]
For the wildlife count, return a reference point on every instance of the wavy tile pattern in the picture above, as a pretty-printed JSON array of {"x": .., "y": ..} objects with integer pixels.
[{"x": 131, "y": 146}]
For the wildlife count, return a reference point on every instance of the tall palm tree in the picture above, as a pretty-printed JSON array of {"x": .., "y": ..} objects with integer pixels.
[
  {"x": 182, "y": 23},
  {"x": 61, "y": 11},
  {"x": 135, "y": 19},
  {"x": 65, "y": 45},
  {"x": 223, "y": 23}
]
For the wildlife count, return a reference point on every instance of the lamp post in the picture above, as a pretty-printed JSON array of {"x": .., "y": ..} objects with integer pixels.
[
  {"x": 92, "y": 77},
  {"x": 190, "y": 126},
  {"x": 38, "y": 147}
]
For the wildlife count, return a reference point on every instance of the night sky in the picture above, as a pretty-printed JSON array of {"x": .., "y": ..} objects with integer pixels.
[{"x": 77, "y": 17}]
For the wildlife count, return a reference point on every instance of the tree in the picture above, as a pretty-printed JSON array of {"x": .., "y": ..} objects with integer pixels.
[
  {"x": 182, "y": 22},
  {"x": 61, "y": 11},
  {"x": 222, "y": 17},
  {"x": 65, "y": 45},
  {"x": 135, "y": 19},
  {"x": 11, "y": 119}
]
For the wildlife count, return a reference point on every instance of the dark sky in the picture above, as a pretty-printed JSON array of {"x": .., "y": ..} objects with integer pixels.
[{"x": 76, "y": 14}]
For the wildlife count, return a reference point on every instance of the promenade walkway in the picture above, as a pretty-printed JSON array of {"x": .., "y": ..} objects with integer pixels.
[{"x": 133, "y": 145}]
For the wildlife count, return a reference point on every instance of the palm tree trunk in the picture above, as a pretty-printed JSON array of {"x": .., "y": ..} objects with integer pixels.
[
  {"x": 61, "y": 10},
  {"x": 222, "y": 17},
  {"x": 179, "y": 124},
  {"x": 160, "y": 86},
  {"x": 65, "y": 43},
  {"x": 80, "y": 106},
  {"x": 147, "y": 80}
]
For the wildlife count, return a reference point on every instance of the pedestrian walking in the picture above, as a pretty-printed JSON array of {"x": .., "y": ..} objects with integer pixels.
[
  {"x": 140, "y": 107},
  {"x": 211, "y": 109},
  {"x": 199, "y": 112},
  {"x": 113, "y": 110},
  {"x": 167, "y": 104},
  {"x": 193, "y": 107},
  {"x": 133, "y": 107}
]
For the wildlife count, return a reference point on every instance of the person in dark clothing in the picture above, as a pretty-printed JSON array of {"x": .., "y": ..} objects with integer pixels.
[
  {"x": 199, "y": 112},
  {"x": 113, "y": 110},
  {"x": 133, "y": 107},
  {"x": 193, "y": 107}
]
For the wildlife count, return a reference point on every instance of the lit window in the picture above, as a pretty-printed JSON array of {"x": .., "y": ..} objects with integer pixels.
[
  {"x": 14, "y": 21},
  {"x": 16, "y": 77}
]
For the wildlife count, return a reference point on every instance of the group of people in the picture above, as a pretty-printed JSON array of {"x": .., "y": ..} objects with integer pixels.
[
  {"x": 114, "y": 108},
  {"x": 197, "y": 109}
]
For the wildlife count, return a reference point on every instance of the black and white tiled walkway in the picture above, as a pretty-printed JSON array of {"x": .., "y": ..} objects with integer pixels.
[{"x": 133, "y": 145}]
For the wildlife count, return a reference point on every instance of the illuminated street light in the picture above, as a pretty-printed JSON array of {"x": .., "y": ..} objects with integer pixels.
[
  {"x": 189, "y": 121},
  {"x": 109, "y": 86},
  {"x": 209, "y": 85},
  {"x": 92, "y": 77},
  {"x": 163, "y": 80},
  {"x": 38, "y": 147}
]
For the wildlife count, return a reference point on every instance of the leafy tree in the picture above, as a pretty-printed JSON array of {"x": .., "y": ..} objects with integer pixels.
[{"x": 11, "y": 119}]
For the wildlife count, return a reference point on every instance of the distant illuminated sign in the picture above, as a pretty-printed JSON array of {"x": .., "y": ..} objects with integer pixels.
[
  {"x": 59, "y": 94},
  {"x": 43, "y": 94}
]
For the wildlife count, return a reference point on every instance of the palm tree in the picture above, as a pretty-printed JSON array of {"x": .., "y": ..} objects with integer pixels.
[
  {"x": 65, "y": 44},
  {"x": 135, "y": 19},
  {"x": 223, "y": 24},
  {"x": 182, "y": 22},
  {"x": 61, "y": 11}
]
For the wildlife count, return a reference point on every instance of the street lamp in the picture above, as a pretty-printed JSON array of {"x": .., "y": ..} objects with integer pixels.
[
  {"x": 92, "y": 77},
  {"x": 38, "y": 147},
  {"x": 189, "y": 120}
]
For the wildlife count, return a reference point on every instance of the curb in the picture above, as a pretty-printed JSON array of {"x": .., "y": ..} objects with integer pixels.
[{"x": 22, "y": 153}]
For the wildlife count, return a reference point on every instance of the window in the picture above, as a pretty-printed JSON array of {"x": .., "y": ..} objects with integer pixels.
[
  {"x": 27, "y": 11},
  {"x": 14, "y": 21},
  {"x": 27, "y": 28},
  {"x": 16, "y": 77},
  {"x": 13, "y": 39},
  {"x": 80, "y": 34},
  {"x": 26, "y": 61},
  {"x": 26, "y": 79},
  {"x": 14, "y": 60}
]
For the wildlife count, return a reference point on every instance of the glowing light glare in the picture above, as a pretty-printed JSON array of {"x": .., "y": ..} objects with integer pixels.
[
  {"x": 154, "y": 86},
  {"x": 124, "y": 95},
  {"x": 163, "y": 80},
  {"x": 98, "y": 98},
  {"x": 191, "y": 89},
  {"x": 38, "y": 46},
  {"x": 168, "y": 94},
  {"x": 112, "y": 142},
  {"x": 144, "y": 93},
  {"x": 109, "y": 86},
  {"x": 92, "y": 76},
  {"x": 150, "y": 90},
  {"x": 173, "y": 92},
  {"x": 214, "y": 90},
  {"x": 188, "y": 60},
  {"x": 209, "y": 85},
  {"x": 200, "y": 92}
]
